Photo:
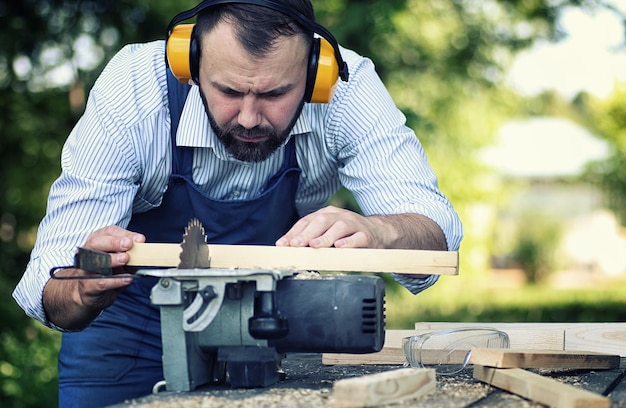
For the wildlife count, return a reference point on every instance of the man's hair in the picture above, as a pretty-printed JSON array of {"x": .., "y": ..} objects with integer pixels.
[{"x": 256, "y": 27}]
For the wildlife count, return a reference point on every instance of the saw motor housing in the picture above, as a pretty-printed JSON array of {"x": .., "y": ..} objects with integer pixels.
[{"x": 236, "y": 326}]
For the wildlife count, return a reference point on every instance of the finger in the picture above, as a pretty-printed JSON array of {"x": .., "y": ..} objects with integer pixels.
[
  {"x": 292, "y": 237},
  {"x": 95, "y": 293},
  {"x": 340, "y": 234},
  {"x": 315, "y": 229},
  {"x": 313, "y": 226},
  {"x": 97, "y": 287},
  {"x": 100, "y": 293},
  {"x": 113, "y": 239},
  {"x": 356, "y": 240}
]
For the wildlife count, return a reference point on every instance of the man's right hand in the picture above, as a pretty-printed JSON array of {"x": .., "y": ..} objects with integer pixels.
[{"x": 73, "y": 304}]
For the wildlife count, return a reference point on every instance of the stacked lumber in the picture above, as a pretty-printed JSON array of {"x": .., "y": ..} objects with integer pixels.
[
  {"x": 539, "y": 389},
  {"x": 507, "y": 358},
  {"x": 599, "y": 337},
  {"x": 569, "y": 346},
  {"x": 586, "y": 337},
  {"x": 504, "y": 368}
]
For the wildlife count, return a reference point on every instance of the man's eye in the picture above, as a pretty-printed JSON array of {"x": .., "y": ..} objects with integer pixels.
[
  {"x": 231, "y": 93},
  {"x": 272, "y": 94}
]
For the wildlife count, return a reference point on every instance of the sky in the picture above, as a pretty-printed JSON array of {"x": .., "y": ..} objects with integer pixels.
[{"x": 591, "y": 58}]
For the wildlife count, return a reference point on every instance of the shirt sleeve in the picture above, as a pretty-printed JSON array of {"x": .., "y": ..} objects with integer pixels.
[
  {"x": 95, "y": 189},
  {"x": 382, "y": 160},
  {"x": 110, "y": 156}
]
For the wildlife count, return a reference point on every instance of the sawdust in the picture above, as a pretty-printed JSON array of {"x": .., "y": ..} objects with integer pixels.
[
  {"x": 307, "y": 275},
  {"x": 271, "y": 398},
  {"x": 309, "y": 385}
]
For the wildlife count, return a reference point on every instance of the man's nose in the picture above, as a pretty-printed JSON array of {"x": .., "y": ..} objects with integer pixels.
[{"x": 249, "y": 113}]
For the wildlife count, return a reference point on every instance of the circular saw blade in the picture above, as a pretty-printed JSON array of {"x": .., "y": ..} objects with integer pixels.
[{"x": 195, "y": 252}]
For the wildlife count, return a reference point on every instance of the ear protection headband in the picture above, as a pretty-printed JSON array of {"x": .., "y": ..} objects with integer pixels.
[{"x": 325, "y": 63}]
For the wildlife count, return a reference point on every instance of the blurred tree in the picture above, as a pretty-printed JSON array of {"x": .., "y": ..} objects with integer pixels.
[
  {"x": 608, "y": 118},
  {"x": 443, "y": 60},
  {"x": 537, "y": 238},
  {"x": 50, "y": 53}
]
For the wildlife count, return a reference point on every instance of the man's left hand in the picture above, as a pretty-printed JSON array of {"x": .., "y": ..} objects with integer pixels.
[{"x": 338, "y": 227}]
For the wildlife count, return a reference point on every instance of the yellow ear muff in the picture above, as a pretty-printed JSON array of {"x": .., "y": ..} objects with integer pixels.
[
  {"x": 327, "y": 74},
  {"x": 178, "y": 59},
  {"x": 177, "y": 51}
]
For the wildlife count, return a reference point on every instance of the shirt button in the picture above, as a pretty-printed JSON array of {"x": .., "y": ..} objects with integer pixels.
[{"x": 235, "y": 194}]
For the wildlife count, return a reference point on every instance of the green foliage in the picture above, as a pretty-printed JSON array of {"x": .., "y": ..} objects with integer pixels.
[
  {"x": 612, "y": 178},
  {"x": 27, "y": 350},
  {"x": 37, "y": 117},
  {"x": 30, "y": 159},
  {"x": 609, "y": 121},
  {"x": 459, "y": 299},
  {"x": 538, "y": 236},
  {"x": 28, "y": 369}
]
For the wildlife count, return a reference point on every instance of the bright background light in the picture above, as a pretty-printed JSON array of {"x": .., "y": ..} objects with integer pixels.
[{"x": 591, "y": 58}]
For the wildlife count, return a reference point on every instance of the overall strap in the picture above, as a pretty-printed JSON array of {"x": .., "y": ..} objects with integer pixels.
[{"x": 176, "y": 96}]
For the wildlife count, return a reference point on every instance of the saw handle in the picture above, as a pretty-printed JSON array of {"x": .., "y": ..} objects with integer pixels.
[{"x": 267, "y": 322}]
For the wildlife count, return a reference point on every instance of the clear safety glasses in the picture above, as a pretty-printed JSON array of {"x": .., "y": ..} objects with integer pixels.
[{"x": 448, "y": 351}]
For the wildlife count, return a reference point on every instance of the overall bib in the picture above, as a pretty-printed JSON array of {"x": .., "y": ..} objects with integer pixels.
[{"x": 118, "y": 356}]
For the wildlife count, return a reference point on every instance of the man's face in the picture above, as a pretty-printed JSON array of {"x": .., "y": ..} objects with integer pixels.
[{"x": 252, "y": 103}]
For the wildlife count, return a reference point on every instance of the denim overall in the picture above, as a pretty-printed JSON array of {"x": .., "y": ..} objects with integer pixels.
[{"x": 118, "y": 356}]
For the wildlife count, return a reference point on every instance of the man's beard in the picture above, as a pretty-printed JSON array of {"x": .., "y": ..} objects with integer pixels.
[{"x": 250, "y": 151}]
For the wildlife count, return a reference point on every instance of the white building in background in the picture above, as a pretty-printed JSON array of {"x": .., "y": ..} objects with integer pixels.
[
  {"x": 596, "y": 241},
  {"x": 542, "y": 158}
]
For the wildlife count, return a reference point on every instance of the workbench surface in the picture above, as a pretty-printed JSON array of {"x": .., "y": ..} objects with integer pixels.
[{"x": 308, "y": 384}]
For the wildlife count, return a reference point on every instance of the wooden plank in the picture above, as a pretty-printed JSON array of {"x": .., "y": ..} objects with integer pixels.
[
  {"x": 597, "y": 337},
  {"x": 391, "y": 353},
  {"x": 394, "y": 338},
  {"x": 540, "y": 389},
  {"x": 520, "y": 325},
  {"x": 305, "y": 258},
  {"x": 606, "y": 338},
  {"x": 383, "y": 388},
  {"x": 526, "y": 339},
  {"x": 506, "y": 358},
  {"x": 388, "y": 355},
  {"x": 600, "y": 337},
  {"x": 533, "y": 336},
  {"x": 394, "y": 356}
]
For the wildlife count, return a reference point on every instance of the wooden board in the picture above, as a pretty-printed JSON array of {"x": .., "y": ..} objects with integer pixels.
[
  {"x": 601, "y": 337},
  {"x": 392, "y": 352},
  {"x": 521, "y": 336},
  {"x": 597, "y": 337},
  {"x": 387, "y": 356},
  {"x": 540, "y": 389},
  {"x": 605, "y": 338},
  {"x": 506, "y": 358},
  {"x": 305, "y": 258},
  {"x": 383, "y": 388}
]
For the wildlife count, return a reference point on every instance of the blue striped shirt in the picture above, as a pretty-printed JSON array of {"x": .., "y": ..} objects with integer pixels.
[{"x": 117, "y": 160}]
